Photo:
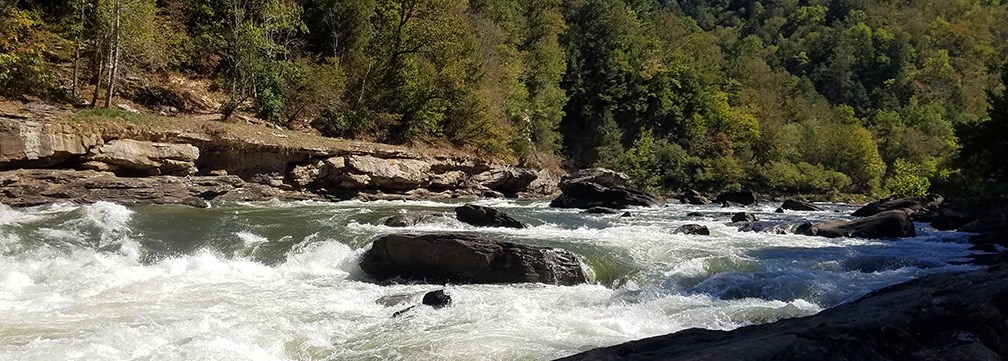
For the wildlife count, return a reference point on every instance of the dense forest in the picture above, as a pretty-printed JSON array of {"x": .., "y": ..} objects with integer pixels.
[{"x": 780, "y": 96}]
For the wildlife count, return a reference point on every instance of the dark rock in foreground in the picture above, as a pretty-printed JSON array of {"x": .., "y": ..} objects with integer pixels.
[
  {"x": 793, "y": 205},
  {"x": 436, "y": 299},
  {"x": 600, "y": 187},
  {"x": 912, "y": 205},
  {"x": 889, "y": 224},
  {"x": 951, "y": 316},
  {"x": 444, "y": 258},
  {"x": 745, "y": 198},
  {"x": 486, "y": 217},
  {"x": 693, "y": 229}
]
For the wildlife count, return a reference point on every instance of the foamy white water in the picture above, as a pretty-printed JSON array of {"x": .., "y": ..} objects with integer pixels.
[{"x": 279, "y": 281}]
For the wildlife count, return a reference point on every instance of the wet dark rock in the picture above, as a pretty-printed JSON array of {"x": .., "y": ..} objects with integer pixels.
[
  {"x": 437, "y": 299},
  {"x": 889, "y": 224},
  {"x": 462, "y": 258},
  {"x": 407, "y": 218},
  {"x": 601, "y": 188},
  {"x": 793, "y": 205},
  {"x": 695, "y": 198},
  {"x": 949, "y": 219},
  {"x": 779, "y": 210},
  {"x": 694, "y": 214},
  {"x": 745, "y": 198},
  {"x": 601, "y": 210},
  {"x": 911, "y": 205},
  {"x": 626, "y": 214},
  {"x": 481, "y": 216},
  {"x": 984, "y": 225},
  {"x": 743, "y": 217},
  {"x": 766, "y": 227},
  {"x": 693, "y": 229},
  {"x": 949, "y": 316}
]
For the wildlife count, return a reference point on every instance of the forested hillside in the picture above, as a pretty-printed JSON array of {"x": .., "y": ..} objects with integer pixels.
[{"x": 819, "y": 96}]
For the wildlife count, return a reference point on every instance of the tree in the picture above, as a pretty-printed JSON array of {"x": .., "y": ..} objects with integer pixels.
[{"x": 985, "y": 144}]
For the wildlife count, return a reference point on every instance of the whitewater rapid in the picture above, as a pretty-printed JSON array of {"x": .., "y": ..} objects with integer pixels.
[{"x": 279, "y": 281}]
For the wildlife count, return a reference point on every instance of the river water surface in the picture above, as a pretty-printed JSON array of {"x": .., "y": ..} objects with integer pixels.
[{"x": 280, "y": 281}]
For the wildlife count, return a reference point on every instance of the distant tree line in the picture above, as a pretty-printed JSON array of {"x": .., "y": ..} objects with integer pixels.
[{"x": 822, "y": 96}]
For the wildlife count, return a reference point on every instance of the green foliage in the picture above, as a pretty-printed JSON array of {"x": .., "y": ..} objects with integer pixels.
[
  {"x": 785, "y": 177},
  {"x": 23, "y": 44},
  {"x": 907, "y": 180}
]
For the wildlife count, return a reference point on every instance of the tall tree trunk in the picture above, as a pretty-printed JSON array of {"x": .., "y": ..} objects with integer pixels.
[
  {"x": 100, "y": 60},
  {"x": 114, "y": 51},
  {"x": 75, "y": 86}
]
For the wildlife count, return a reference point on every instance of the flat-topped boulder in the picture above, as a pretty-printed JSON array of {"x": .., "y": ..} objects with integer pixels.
[
  {"x": 911, "y": 205},
  {"x": 889, "y": 224},
  {"x": 463, "y": 258},
  {"x": 744, "y": 198},
  {"x": 481, "y": 216},
  {"x": 600, "y": 187},
  {"x": 793, "y": 205},
  {"x": 135, "y": 157}
]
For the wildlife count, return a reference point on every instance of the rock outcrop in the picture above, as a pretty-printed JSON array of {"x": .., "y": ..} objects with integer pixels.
[
  {"x": 951, "y": 316},
  {"x": 134, "y": 157},
  {"x": 481, "y": 216},
  {"x": 744, "y": 198},
  {"x": 911, "y": 205},
  {"x": 507, "y": 180},
  {"x": 600, "y": 187},
  {"x": 33, "y": 144},
  {"x": 441, "y": 258},
  {"x": 30, "y": 187},
  {"x": 888, "y": 224}
]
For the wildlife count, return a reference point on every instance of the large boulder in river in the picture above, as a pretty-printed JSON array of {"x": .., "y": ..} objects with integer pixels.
[
  {"x": 793, "y": 205},
  {"x": 604, "y": 177},
  {"x": 888, "y": 224},
  {"x": 481, "y": 216},
  {"x": 508, "y": 180},
  {"x": 745, "y": 198},
  {"x": 693, "y": 229},
  {"x": 444, "y": 258},
  {"x": 912, "y": 205},
  {"x": 945, "y": 316},
  {"x": 134, "y": 157},
  {"x": 695, "y": 198},
  {"x": 599, "y": 187}
]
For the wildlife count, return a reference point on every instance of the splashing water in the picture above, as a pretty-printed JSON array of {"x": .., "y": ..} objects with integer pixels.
[{"x": 280, "y": 281}]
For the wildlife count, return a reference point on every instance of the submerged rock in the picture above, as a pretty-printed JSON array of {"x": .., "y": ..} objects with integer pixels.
[
  {"x": 601, "y": 210},
  {"x": 889, "y": 224},
  {"x": 693, "y": 229},
  {"x": 745, "y": 198},
  {"x": 743, "y": 217},
  {"x": 793, "y": 205},
  {"x": 407, "y": 218},
  {"x": 950, "y": 316},
  {"x": 457, "y": 258},
  {"x": 481, "y": 216},
  {"x": 911, "y": 205},
  {"x": 437, "y": 299},
  {"x": 600, "y": 187}
]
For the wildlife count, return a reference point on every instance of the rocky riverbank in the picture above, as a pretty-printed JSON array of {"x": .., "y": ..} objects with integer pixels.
[{"x": 191, "y": 161}]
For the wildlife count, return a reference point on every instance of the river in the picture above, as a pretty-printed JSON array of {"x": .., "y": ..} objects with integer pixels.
[{"x": 280, "y": 281}]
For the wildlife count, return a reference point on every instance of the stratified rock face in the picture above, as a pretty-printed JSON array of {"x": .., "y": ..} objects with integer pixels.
[
  {"x": 506, "y": 180},
  {"x": 745, "y": 198},
  {"x": 481, "y": 216},
  {"x": 144, "y": 158},
  {"x": 25, "y": 143},
  {"x": 30, "y": 187},
  {"x": 373, "y": 172},
  {"x": 599, "y": 187},
  {"x": 469, "y": 259},
  {"x": 793, "y": 205},
  {"x": 889, "y": 224},
  {"x": 951, "y": 316},
  {"x": 911, "y": 205}
]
